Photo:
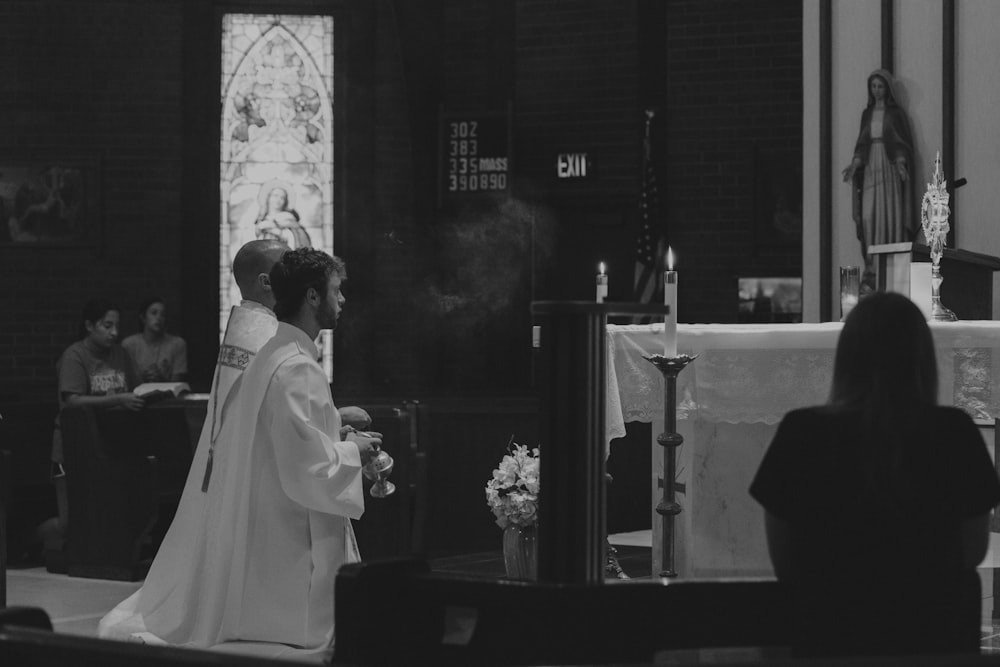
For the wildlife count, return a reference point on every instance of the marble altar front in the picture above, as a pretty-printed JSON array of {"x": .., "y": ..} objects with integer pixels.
[{"x": 730, "y": 400}]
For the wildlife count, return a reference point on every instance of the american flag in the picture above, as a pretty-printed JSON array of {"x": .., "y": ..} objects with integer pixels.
[{"x": 649, "y": 240}]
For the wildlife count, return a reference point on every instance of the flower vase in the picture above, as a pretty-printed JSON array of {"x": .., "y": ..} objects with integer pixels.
[{"x": 520, "y": 552}]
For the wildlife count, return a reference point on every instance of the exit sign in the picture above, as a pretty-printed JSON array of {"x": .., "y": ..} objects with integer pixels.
[{"x": 574, "y": 165}]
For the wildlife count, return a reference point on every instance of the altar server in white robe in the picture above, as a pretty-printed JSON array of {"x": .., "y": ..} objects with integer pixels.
[
  {"x": 174, "y": 603},
  {"x": 162, "y": 601}
]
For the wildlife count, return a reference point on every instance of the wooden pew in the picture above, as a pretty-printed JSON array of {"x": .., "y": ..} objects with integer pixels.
[
  {"x": 35, "y": 647},
  {"x": 126, "y": 471},
  {"x": 462, "y": 620},
  {"x": 32, "y": 647},
  {"x": 457, "y": 443},
  {"x": 31, "y": 617},
  {"x": 464, "y": 440},
  {"x": 26, "y": 432},
  {"x": 394, "y": 526},
  {"x": 123, "y": 470},
  {"x": 26, "y": 495},
  {"x": 26, "y": 640},
  {"x": 4, "y": 499}
]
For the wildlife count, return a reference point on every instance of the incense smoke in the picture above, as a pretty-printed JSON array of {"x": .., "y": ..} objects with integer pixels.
[{"x": 488, "y": 256}]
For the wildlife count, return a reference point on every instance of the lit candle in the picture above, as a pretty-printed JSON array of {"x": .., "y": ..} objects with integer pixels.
[
  {"x": 602, "y": 284},
  {"x": 670, "y": 299}
]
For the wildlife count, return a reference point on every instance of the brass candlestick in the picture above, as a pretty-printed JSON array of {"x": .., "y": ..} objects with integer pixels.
[{"x": 668, "y": 508}]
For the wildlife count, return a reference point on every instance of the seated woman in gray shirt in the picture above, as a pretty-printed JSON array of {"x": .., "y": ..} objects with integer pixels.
[
  {"x": 158, "y": 356},
  {"x": 93, "y": 371}
]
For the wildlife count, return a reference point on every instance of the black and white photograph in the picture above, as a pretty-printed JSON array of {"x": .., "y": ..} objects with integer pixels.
[{"x": 499, "y": 332}]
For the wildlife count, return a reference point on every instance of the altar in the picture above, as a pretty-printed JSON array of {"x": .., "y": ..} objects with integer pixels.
[{"x": 730, "y": 400}]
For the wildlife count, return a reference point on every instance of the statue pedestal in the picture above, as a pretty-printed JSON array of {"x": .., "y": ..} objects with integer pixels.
[{"x": 968, "y": 276}]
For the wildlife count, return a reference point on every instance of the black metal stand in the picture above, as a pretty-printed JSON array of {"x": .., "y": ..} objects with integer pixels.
[{"x": 668, "y": 508}]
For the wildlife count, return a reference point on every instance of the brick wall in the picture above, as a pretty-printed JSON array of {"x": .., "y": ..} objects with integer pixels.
[
  {"x": 577, "y": 87},
  {"x": 392, "y": 369},
  {"x": 95, "y": 81},
  {"x": 734, "y": 85},
  {"x": 102, "y": 80},
  {"x": 577, "y": 91}
]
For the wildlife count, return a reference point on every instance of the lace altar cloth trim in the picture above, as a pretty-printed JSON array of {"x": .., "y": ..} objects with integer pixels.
[{"x": 757, "y": 373}]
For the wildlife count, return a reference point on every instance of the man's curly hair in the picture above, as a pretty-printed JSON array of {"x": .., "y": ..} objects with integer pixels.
[{"x": 296, "y": 272}]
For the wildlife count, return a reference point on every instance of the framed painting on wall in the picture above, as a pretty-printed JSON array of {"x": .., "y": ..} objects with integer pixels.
[{"x": 50, "y": 202}]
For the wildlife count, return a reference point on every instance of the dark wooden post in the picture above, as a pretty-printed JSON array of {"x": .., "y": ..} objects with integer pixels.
[
  {"x": 572, "y": 381},
  {"x": 5, "y": 479}
]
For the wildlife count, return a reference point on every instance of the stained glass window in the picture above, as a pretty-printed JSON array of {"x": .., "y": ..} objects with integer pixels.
[{"x": 276, "y": 160}]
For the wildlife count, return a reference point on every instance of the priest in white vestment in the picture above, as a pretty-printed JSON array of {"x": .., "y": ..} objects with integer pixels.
[{"x": 249, "y": 561}]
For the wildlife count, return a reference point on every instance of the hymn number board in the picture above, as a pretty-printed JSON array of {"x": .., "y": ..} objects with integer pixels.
[{"x": 475, "y": 154}]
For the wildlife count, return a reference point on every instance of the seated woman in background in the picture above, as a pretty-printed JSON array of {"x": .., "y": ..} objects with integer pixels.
[
  {"x": 877, "y": 503},
  {"x": 158, "y": 356},
  {"x": 93, "y": 371}
]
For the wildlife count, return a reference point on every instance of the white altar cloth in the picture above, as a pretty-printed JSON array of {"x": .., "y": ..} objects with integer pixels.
[{"x": 730, "y": 399}]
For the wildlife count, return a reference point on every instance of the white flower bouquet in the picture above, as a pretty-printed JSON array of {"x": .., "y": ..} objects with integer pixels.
[{"x": 512, "y": 493}]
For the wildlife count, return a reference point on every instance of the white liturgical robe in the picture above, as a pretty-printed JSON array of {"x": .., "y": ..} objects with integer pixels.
[
  {"x": 250, "y": 326},
  {"x": 257, "y": 563}
]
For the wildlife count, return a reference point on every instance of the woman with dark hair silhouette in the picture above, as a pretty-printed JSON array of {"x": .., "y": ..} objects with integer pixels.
[{"x": 877, "y": 503}]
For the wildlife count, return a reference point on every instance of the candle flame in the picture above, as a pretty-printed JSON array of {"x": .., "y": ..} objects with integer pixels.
[
  {"x": 602, "y": 268},
  {"x": 670, "y": 258}
]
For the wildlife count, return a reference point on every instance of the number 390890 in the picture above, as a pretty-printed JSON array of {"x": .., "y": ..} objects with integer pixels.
[{"x": 472, "y": 183}]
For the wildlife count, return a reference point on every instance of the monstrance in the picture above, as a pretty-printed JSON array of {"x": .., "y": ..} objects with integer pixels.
[{"x": 934, "y": 212}]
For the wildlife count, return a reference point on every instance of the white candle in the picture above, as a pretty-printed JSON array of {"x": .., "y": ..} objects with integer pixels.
[
  {"x": 670, "y": 299},
  {"x": 602, "y": 284}
]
